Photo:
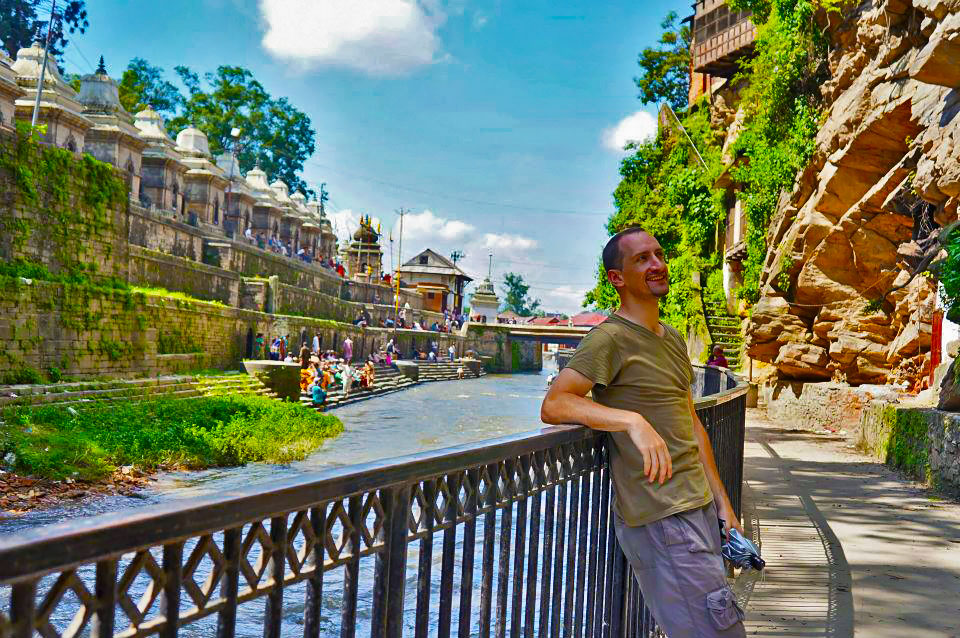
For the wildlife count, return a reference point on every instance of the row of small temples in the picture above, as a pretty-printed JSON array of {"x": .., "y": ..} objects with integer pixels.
[{"x": 180, "y": 179}]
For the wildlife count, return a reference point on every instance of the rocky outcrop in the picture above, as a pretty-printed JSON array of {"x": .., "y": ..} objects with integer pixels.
[{"x": 885, "y": 173}]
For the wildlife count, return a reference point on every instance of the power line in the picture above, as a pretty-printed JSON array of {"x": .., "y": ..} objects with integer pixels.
[{"x": 553, "y": 211}]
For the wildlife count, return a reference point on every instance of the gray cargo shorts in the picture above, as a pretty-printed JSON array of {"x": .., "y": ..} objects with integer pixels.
[{"x": 677, "y": 562}]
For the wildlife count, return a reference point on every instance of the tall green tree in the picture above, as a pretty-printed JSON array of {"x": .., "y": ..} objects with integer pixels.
[
  {"x": 665, "y": 68},
  {"x": 143, "y": 85},
  {"x": 273, "y": 132},
  {"x": 22, "y": 21},
  {"x": 518, "y": 298}
]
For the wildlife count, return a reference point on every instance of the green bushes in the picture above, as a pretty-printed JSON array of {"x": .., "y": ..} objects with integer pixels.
[
  {"x": 51, "y": 442},
  {"x": 781, "y": 107}
]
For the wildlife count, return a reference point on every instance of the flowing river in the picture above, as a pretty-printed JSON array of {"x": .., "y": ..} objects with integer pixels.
[{"x": 426, "y": 417}]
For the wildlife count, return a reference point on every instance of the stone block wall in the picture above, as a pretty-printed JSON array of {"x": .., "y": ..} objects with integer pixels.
[
  {"x": 86, "y": 331},
  {"x": 64, "y": 213},
  {"x": 164, "y": 234},
  {"x": 291, "y": 300},
  {"x": 503, "y": 354},
  {"x": 156, "y": 269},
  {"x": 835, "y": 406},
  {"x": 925, "y": 443}
]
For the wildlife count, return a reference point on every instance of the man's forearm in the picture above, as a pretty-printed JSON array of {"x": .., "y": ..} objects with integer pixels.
[{"x": 565, "y": 407}]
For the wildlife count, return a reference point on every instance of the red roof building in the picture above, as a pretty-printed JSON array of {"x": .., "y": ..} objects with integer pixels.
[{"x": 589, "y": 319}]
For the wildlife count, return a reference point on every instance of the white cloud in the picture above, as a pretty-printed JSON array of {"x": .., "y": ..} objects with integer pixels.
[
  {"x": 382, "y": 37},
  {"x": 427, "y": 225},
  {"x": 507, "y": 243},
  {"x": 479, "y": 20},
  {"x": 637, "y": 127}
]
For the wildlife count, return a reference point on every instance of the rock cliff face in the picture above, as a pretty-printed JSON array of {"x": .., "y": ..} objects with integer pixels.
[{"x": 885, "y": 175}]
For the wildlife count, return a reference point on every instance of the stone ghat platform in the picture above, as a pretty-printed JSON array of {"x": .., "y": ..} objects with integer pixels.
[{"x": 390, "y": 379}]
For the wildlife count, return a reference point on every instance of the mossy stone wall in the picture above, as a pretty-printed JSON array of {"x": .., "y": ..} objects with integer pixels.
[
  {"x": 924, "y": 443},
  {"x": 65, "y": 213}
]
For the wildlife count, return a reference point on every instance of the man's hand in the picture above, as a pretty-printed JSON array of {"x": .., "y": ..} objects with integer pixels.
[
  {"x": 657, "y": 464},
  {"x": 728, "y": 516}
]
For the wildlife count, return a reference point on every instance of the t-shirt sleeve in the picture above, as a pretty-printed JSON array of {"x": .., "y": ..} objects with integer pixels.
[{"x": 597, "y": 358}]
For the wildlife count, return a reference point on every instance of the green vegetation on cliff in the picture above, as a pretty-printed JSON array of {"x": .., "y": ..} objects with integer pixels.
[
  {"x": 780, "y": 101},
  {"x": 669, "y": 191},
  {"x": 89, "y": 444}
]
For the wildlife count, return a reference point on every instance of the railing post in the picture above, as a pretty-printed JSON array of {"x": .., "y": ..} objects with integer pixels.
[
  {"x": 23, "y": 606},
  {"x": 230, "y": 583},
  {"x": 387, "y": 620},
  {"x": 618, "y": 589},
  {"x": 351, "y": 574},
  {"x": 170, "y": 598},
  {"x": 273, "y": 617},
  {"x": 106, "y": 594},
  {"x": 314, "y": 601}
]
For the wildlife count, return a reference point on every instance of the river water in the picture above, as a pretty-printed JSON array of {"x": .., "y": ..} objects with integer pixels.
[{"x": 425, "y": 417}]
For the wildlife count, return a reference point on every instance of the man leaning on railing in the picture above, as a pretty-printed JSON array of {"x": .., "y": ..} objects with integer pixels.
[{"x": 668, "y": 492}]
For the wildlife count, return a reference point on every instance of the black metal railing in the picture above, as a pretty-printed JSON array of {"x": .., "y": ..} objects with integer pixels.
[{"x": 500, "y": 539}]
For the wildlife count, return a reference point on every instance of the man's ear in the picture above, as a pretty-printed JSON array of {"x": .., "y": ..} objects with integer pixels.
[{"x": 615, "y": 277}]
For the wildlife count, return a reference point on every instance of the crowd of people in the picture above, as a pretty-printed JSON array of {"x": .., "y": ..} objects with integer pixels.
[
  {"x": 275, "y": 245},
  {"x": 322, "y": 371}
]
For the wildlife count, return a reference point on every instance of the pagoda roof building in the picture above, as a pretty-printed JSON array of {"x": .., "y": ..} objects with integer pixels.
[
  {"x": 10, "y": 91},
  {"x": 60, "y": 109},
  {"x": 162, "y": 169},
  {"x": 113, "y": 138}
]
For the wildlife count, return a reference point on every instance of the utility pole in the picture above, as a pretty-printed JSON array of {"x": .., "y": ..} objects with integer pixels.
[
  {"x": 43, "y": 67},
  {"x": 235, "y": 134},
  {"x": 396, "y": 307},
  {"x": 456, "y": 256}
]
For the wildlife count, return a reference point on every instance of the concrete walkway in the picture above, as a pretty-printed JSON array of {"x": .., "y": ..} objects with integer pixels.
[{"x": 851, "y": 548}]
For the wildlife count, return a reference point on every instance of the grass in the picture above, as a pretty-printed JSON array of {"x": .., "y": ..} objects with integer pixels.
[
  {"x": 163, "y": 292},
  {"x": 50, "y": 442}
]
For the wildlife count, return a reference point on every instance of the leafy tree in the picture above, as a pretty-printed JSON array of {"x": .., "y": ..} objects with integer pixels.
[
  {"x": 143, "y": 85},
  {"x": 666, "y": 67},
  {"x": 22, "y": 21},
  {"x": 518, "y": 295},
  {"x": 274, "y": 132}
]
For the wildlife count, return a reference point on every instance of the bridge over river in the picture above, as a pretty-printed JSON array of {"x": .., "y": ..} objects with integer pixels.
[{"x": 507, "y": 535}]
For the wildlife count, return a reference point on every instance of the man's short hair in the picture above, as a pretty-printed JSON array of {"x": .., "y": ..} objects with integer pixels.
[{"x": 612, "y": 257}]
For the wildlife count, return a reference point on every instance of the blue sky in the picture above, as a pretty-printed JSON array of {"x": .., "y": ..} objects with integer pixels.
[{"x": 486, "y": 119}]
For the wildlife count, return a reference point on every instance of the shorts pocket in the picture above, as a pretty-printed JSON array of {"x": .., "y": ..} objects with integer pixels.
[
  {"x": 682, "y": 530},
  {"x": 723, "y": 609}
]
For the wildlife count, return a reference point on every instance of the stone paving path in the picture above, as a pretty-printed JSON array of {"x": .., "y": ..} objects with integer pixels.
[{"x": 852, "y": 549}]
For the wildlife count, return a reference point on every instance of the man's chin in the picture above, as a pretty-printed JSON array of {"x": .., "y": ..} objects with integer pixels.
[{"x": 659, "y": 291}]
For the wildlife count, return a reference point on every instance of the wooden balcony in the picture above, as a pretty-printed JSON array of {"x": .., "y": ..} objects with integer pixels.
[{"x": 721, "y": 37}]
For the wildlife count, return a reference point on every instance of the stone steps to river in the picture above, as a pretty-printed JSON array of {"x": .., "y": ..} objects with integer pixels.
[
  {"x": 389, "y": 379},
  {"x": 87, "y": 394}
]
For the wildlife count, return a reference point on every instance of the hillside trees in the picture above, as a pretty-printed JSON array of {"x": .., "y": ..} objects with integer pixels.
[
  {"x": 23, "y": 21},
  {"x": 273, "y": 131}
]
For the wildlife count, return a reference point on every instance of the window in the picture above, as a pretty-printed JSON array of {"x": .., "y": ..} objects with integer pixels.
[
  {"x": 424, "y": 260},
  {"x": 431, "y": 295}
]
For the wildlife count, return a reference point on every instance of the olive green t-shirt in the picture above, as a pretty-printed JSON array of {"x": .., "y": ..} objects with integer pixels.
[{"x": 634, "y": 369}]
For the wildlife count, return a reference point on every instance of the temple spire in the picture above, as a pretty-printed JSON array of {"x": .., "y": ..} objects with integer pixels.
[{"x": 101, "y": 68}]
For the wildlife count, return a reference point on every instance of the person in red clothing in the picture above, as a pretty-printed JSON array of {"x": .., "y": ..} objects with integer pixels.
[{"x": 717, "y": 359}]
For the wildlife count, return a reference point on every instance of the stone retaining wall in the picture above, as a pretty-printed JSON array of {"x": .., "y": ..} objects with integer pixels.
[
  {"x": 923, "y": 442},
  {"x": 835, "y": 406},
  {"x": 85, "y": 331},
  {"x": 501, "y": 353},
  {"x": 156, "y": 269},
  {"x": 291, "y": 300}
]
